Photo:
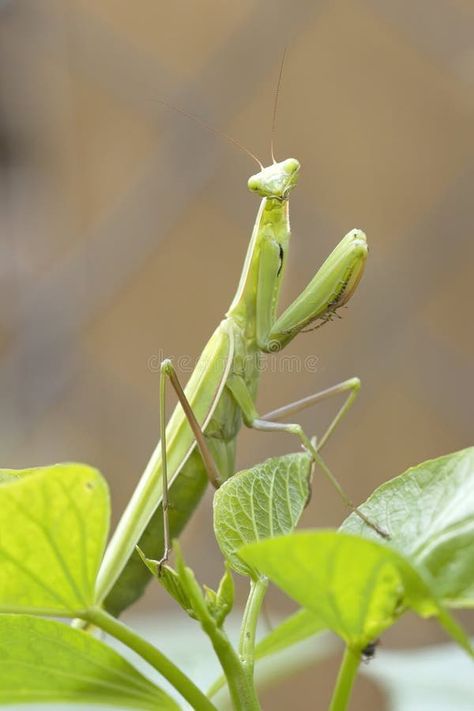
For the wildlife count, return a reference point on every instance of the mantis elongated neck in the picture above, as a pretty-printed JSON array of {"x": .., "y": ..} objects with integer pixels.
[{"x": 272, "y": 224}]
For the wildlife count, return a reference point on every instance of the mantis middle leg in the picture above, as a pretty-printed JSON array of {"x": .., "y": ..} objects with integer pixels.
[{"x": 168, "y": 372}]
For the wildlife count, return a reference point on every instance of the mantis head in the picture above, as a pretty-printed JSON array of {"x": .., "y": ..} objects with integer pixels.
[{"x": 277, "y": 180}]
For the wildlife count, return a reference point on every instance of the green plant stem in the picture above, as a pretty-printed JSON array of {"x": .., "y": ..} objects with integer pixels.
[
  {"x": 241, "y": 687},
  {"x": 345, "y": 680},
  {"x": 153, "y": 656},
  {"x": 248, "y": 630}
]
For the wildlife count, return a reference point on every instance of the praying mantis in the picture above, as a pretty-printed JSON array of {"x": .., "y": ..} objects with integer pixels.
[{"x": 199, "y": 442}]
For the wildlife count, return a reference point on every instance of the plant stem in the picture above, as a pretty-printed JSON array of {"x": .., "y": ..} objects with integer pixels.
[
  {"x": 248, "y": 630},
  {"x": 241, "y": 687},
  {"x": 345, "y": 680},
  {"x": 153, "y": 656}
]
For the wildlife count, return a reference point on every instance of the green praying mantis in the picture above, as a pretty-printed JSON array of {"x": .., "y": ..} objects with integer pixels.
[{"x": 199, "y": 442}]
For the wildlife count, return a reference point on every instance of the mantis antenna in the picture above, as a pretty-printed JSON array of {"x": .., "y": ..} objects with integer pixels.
[
  {"x": 201, "y": 122},
  {"x": 275, "y": 104}
]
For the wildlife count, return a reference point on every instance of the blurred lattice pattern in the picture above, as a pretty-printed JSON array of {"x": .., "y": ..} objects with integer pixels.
[{"x": 124, "y": 224}]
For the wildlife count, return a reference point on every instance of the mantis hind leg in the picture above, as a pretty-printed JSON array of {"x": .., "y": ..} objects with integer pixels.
[
  {"x": 352, "y": 386},
  {"x": 167, "y": 372},
  {"x": 266, "y": 426},
  {"x": 271, "y": 423}
]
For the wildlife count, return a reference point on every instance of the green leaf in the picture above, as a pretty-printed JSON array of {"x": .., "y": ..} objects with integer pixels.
[
  {"x": 225, "y": 596},
  {"x": 54, "y": 526},
  {"x": 260, "y": 503},
  {"x": 182, "y": 586},
  {"x": 296, "y": 628},
  {"x": 47, "y": 661},
  {"x": 8, "y": 475},
  {"x": 170, "y": 581},
  {"x": 454, "y": 630},
  {"x": 220, "y": 603},
  {"x": 356, "y": 587},
  {"x": 429, "y": 513}
]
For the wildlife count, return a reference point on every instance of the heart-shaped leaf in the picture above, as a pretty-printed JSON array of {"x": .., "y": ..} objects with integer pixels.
[
  {"x": 264, "y": 501},
  {"x": 45, "y": 661},
  {"x": 357, "y": 587},
  {"x": 7, "y": 475},
  {"x": 53, "y": 528},
  {"x": 429, "y": 514}
]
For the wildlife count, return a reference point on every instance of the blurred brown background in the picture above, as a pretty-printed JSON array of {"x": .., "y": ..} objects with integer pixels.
[{"x": 124, "y": 226}]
